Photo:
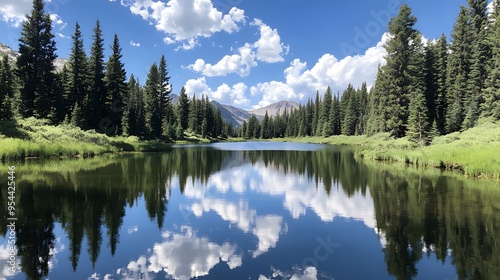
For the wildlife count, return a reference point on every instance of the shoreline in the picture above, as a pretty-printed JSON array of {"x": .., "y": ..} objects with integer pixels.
[{"x": 473, "y": 153}]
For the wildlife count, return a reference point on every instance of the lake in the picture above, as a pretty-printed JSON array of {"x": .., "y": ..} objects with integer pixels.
[{"x": 251, "y": 210}]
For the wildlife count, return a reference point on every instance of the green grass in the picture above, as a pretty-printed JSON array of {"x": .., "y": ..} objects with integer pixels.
[
  {"x": 474, "y": 152},
  {"x": 34, "y": 138}
]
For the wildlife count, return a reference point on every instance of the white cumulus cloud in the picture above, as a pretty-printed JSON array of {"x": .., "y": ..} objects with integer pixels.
[
  {"x": 269, "y": 46},
  {"x": 234, "y": 95},
  {"x": 328, "y": 71},
  {"x": 14, "y": 11},
  {"x": 186, "y": 20},
  {"x": 240, "y": 63}
]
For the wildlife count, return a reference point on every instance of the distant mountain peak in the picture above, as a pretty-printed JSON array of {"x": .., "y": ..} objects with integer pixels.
[
  {"x": 276, "y": 109},
  {"x": 13, "y": 55}
]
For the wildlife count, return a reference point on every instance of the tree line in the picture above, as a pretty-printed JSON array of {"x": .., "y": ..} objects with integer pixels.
[
  {"x": 91, "y": 93},
  {"x": 425, "y": 89}
]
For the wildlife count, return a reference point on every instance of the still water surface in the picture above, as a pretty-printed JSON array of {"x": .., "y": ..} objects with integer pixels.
[{"x": 248, "y": 211}]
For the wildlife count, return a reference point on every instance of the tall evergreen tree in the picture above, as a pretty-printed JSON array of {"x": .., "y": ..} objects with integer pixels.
[
  {"x": 165, "y": 99},
  {"x": 440, "y": 67},
  {"x": 35, "y": 64},
  {"x": 326, "y": 106},
  {"x": 418, "y": 120},
  {"x": 6, "y": 89},
  {"x": 133, "y": 120},
  {"x": 153, "y": 111},
  {"x": 98, "y": 103},
  {"x": 183, "y": 109},
  {"x": 378, "y": 113},
  {"x": 116, "y": 85},
  {"x": 194, "y": 117},
  {"x": 350, "y": 119},
  {"x": 480, "y": 57},
  {"x": 458, "y": 71},
  {"x": 252, "y": 129},
  {"x": 218, "y": 123},
  {"x": 400, "y": 48},
  {"x": 362, "y": 98},
  {"x": 265, "y": 130},
  {"x": 316, "y": 115},
  {"x": 78, "y": 77},
  {"x": 491, "y": 105}
]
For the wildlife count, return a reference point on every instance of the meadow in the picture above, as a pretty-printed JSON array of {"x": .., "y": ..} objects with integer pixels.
[{"x": 474, "y": 152}]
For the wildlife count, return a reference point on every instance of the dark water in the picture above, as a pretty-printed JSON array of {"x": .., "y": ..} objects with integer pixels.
[{"x": 248, "y": 211}]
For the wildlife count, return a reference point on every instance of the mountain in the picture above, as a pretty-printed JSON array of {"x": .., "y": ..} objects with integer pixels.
[
  {"x": 12, "y": 55},
  {"x": 230, "y": 114},
  {"x": 276, "y": 109}
]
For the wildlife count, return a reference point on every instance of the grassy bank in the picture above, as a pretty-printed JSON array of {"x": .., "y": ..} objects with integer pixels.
[
  {"x": 474, "y": 152},
  {"x": 33, "y": 138}
]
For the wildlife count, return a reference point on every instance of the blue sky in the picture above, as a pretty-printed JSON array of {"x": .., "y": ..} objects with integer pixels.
[{"x": 246, "y": 53}]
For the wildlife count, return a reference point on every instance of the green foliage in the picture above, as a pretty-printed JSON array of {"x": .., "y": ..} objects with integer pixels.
[
  {"x": 153, "y": 113},
  {"x": 253, "y": 128},
  {"x": 491, "y": 94},
  {"x": 6, "y": 89},
  {"x": 78, "y": 78},
  {"x": 35, "y": 63},
  {"x": 398, "y": 72},
  {"x": 97, "y": 94},
  {"x": 183, "y": 109},
  {"x": 458, "y": 71},
  {"x": 116, "y": 86}
]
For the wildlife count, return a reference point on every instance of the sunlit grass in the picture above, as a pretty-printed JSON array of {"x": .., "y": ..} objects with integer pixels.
[
  {"x": 34, "y": 138},
  {"x": 475, "y": 152}
]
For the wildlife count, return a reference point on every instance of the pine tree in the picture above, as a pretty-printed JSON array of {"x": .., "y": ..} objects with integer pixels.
[
  {"x": 325, "y": 114},
  {"x": 130, "y": 112},
  {"x": 6, "y": 89},
  {"x": 309, "y": 117},
  {"x": 116, "y": 85},
  {"x": 431, "y": 79},
  {"x": 316, "y": 115},
  {"x": 78, "y": 76},
  {"x": 183, "y": 109},
  {"x": 252, "y": 129},
  {"x": 59, "y": 110},
  {"x": 207, "y": 117},
  {"x": 193, "y": 115},
  {"x": 480, "y": 57},
  {"x": 98, "y": 104},
  {"x": 165, "y": 99},
  {"x": 378, "y": 113},
  {"x": 349, "y": 121},
  {"x": 335, "y": 115},
  {"x": 362, "y": 97},
  {"x": 265, "y": 133},
  {"x": 218, "y": 123},
  {"x": 153, "y": 112},
  {"x": 491, "y": 105},
  {"x": 458, "y": 71},
  {"x": 418, "y": 120},
  {"x": 35, "y": 64},
  {"x": 440, "y": 67},
  {"x": 398, "y": 77}
]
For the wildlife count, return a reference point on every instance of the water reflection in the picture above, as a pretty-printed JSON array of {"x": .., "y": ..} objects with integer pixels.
[{"x": 240, "y": 213}]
